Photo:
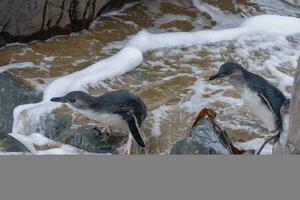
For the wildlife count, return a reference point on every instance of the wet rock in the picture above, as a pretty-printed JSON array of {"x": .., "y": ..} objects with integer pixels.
[
  {"x": 54, "y": 126},
  {"x": 10, "y": 144},
  {"x": 202, "y": 139},
  {"x": 293, "y": 2},
  {"x": 92, "y": 141},
  {"x": 27, "y": 20},
  {"x": 60, "y": 127},
  {"x": 13, "y": 92},
  {"x": 293, "y": 135}
]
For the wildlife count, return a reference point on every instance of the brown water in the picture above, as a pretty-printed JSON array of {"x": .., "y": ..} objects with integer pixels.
[{"x": 172, "y": 82}]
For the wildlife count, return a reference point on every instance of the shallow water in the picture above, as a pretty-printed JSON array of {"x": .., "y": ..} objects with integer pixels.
[{"x": 172, "y": 82}]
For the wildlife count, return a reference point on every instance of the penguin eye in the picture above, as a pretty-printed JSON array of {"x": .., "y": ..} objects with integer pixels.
[
  {"x": 228, "y": 73},
  {"x": 72, "y": 100}
]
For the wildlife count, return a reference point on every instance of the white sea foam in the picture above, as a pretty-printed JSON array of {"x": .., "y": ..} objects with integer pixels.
[
  {"x": 35, "y": 140},
  {"x": 124, "y": 61},
  {"x": 4, "y": 153},
  {"x": 224, "y": 19},
  {"x": 171, "y": 17},
  {"x": 254, "y": 144},
  {"x": 49, "y": 58},
  {"x": 16, "y": 66},
  {"x": 258, "y": 25},
  {"x": 158, "y": 115}
]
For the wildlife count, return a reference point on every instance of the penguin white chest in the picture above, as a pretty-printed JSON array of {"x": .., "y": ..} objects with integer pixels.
[
  {"x": 255, "y": 105},
  {"x": 113, "y": 120}
]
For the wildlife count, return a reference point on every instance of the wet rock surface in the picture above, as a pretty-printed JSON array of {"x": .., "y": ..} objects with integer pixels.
[
  {"x": 202, "y": 139},
  {"x": 59, "y": 127},
  {"x": 293, "y": 135},
  {"x": 28, "y": 20},
  {"x": 93, "y": 141},
  {"x": 13, "y": 92},
  {"x": 10, "y": 144}
]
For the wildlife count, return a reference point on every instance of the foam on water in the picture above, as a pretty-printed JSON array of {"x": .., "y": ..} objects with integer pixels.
[
  {"x": 279, "y": 7},
  {"x": 131, "y": 56},
  {"x": 124, "y": 61},
  {"x": 258, "y": 25},
  {"x": 35, "y": 140},
  {"x": 224, "y": 19},
  {"x": 16, "y": 66},
  {"x": 158, "y": 114},
  {"x": 171, "y": 17},
  {"x": 254, "y": 144}
]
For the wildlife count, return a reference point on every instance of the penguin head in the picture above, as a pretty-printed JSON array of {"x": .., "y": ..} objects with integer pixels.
[
  {"x": 77, "y": 99},
  {"x": 229, "y": 69}
]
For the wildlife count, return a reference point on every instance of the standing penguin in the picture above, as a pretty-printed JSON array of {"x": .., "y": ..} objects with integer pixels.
[
  {"x": 259, "y": 95},
  {"x": 119, "y": 109}
]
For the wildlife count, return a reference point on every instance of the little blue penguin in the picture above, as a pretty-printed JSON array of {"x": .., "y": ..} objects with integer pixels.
[
  {"x": 120, "y": 109},
  {"x": 259, "y": 95}
]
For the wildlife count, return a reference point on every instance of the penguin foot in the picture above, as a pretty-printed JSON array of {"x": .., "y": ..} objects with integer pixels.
[
  {"x": 274, "y": 137},
  {"x": 126, "y": 148},
  {"x": 103, "y": 129},
  {"x": 277, "y": 137}
]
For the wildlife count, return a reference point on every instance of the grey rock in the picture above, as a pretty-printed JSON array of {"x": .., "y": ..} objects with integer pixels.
[
  {"x": 54, "y": 126},
  {"x": 59, "y": 127},
  {"x": 12, "y": 94},
  {"x": 27, "y": 20},
  {"x": 293, "y": 137},
  {"x": 10, "y": 144},
  {"x": 92, "y": 141},
  {"x": 202, "y": 139}
]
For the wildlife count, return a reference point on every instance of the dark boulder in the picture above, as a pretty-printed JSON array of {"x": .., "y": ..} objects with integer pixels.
[
  {"x": 59, "y": 127},
  {"x": 10, "y": 144},
  {"x": 93, "y": 141},
  {"x": 27, "y": 20},
  {"x": 204, "y": 138},
  {"x": 13, "y": 92}
]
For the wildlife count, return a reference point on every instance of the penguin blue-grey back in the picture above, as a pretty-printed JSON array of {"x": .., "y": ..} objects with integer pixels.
[
  {"x": 122, "y": 102},
  {"x": 270, "y": 95}
]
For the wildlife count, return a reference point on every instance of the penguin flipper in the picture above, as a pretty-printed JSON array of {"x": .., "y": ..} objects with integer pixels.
[
  {"x": 267, "y": 103},
  {"x": 134, "y": 129}
]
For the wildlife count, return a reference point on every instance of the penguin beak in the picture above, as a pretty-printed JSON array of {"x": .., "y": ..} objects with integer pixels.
[
  {"x": 216, "y": 76},
  {"x": 59, "y": 99}
]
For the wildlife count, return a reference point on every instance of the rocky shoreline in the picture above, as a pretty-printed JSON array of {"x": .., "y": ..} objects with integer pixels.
[{"x": 24, "y": 21}]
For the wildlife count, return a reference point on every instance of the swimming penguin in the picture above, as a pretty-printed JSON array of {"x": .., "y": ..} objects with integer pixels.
[
  {"x": 259, "y": 95},
  {"x": 120, "y": 109}
]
